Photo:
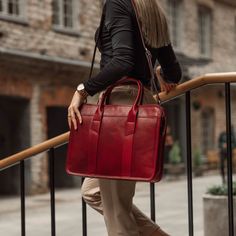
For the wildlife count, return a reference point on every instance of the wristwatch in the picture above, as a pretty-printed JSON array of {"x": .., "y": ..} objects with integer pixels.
[{"x": 81, "y": 90}]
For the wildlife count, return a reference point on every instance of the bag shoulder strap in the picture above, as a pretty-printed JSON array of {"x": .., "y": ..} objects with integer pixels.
[
  {"x": 97, "y": 39},
  {"x": 147, "y": 52}
]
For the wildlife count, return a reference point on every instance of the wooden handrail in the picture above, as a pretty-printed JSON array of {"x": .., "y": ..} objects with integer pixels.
[
  {"x": 29, "y": 152},
  {"x": 212, "y": 78}
]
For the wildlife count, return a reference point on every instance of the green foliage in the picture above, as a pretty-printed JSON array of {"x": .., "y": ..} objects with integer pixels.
[
  {"x": 174, "y": 155},
  {"x": 197, "y": 158},
  {"x": 221, "y": 190}
]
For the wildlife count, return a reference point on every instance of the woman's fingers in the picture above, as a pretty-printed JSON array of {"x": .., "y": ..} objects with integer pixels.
[
  {"x": 77, "y": 112},
  {"x": 69, "y": 121},
  {"x": 73, "y": 118},
  {"x": 166, "y": 87},
  {"x": 169, "y": 87},
  {"x": 74, "y": 112},
  {"x": 69, "y": 117}
]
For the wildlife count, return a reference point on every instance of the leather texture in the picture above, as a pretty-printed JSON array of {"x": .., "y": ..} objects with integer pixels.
[{"x": 119, "y": 141}]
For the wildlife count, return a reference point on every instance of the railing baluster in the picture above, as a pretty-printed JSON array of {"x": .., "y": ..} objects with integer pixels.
[
  {"x": 84, "y": 215},
  {"x": 22, "y": 196},
  {"x": 152, "y": 202},
  {"x": 52, "y": 190},
  {"x": 229, "y": 159},
  {"x": 189, "y": 162}
]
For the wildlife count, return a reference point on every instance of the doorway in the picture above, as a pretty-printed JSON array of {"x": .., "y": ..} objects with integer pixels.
[{"x": 14, "y": 137}]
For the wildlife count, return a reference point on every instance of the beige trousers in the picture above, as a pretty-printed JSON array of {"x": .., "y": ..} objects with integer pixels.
[{"x": 114, "y": 198}]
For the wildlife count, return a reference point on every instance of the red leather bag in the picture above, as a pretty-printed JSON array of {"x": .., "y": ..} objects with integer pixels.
[{"x": 119, "y": 141}]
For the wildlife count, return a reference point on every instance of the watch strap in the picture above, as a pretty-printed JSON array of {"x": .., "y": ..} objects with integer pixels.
[{"x": 83, "y": 93}]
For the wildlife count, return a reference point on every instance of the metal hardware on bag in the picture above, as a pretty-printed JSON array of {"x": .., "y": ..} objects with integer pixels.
[
  {"x": 158, "y": 99},
  {"x": 148, "y": 53}
]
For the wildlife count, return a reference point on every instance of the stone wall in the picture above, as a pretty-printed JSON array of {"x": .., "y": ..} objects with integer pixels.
[{"x": 37, "y": 34}]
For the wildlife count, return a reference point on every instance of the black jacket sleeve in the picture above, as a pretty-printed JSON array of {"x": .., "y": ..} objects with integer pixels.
[
  {"x": 170, "y": 67},
  {"x": 119, "y": 23}
]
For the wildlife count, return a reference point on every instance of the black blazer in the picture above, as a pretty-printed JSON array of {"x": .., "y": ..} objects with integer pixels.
[{"x": 122, "y": 51}]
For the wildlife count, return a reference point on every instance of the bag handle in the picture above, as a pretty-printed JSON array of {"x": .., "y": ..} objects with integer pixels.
[
  {"x": 123, "y": 81},
  {"x": 132, "y": 115}
]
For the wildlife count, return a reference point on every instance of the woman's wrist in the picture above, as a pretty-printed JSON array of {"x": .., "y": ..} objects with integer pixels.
[{"x": 82, "y": 92}]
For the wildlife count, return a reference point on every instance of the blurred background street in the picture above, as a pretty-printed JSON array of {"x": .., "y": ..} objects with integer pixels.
[{"x": 171, "y": 210}]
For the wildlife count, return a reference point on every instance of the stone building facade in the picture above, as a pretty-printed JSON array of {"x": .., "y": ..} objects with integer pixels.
[
  {"x": 45, "y": 51},
  {"x": 41, "y": 63},
  {"x": 204, "y": 35}
]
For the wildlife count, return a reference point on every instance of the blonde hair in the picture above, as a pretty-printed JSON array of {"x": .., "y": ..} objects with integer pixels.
[{"x": 153, "y": 23}]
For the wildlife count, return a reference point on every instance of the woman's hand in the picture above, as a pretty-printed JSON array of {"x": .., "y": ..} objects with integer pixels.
[
  {"x": 73, "y": 110},
  {"x": 165, "y": 87}
]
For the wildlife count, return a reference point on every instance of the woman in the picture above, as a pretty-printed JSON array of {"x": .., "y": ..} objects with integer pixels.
[{"x": 122, "y": 54}]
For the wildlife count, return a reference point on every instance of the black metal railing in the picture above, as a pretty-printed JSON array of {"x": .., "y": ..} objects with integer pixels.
[
  {"x": 52, "y": 198},
  {"x": 189, "y": 161},
  {"x": 152, "y": 185},
  {"x": 229, "y": 159}
]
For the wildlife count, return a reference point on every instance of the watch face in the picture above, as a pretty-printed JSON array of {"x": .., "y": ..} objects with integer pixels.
[{"x": 80, "y": 87}]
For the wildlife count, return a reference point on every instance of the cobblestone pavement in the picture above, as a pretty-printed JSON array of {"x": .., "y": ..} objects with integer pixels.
[{"x": 171, "y": 210}]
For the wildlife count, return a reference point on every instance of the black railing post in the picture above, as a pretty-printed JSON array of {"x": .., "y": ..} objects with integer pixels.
[
  {"x": 22, "y": 196},
  {"x": 229, "y": 159},
  {"x": 152, "y": 202},
  {"x": 52, "y": 190},
  {"x": 189, "y": 163},
  {"x": 84, "y": 215}
]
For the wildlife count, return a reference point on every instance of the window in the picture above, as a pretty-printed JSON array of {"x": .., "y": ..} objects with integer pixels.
[
  {"x": 175, "y": 13},
  {"x": 65, "y": 14},
  {"x": 208, "y": 125},
  {"x": 12, "y": 8},
  {"x": 205, "y": 31}
]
